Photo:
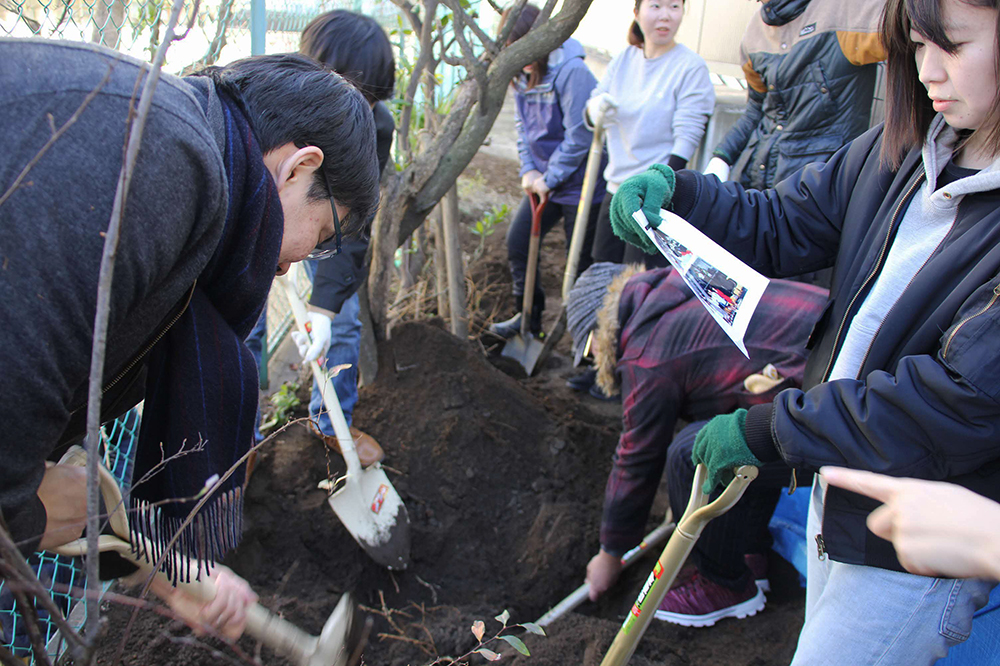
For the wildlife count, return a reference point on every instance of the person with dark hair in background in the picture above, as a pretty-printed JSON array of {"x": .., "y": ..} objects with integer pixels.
[
  {"x": 242, "y": 171},
  {"x": 654, "y": 101},
  {"x": 901, "y": 377},
  {"x": 552, "y": 143},
  {"x": 357, "y": 48}
]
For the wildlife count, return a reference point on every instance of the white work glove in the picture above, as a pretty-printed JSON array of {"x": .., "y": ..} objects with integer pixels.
[
  {"x": 718, "y": 167},
  {"x": 602, "y": 109},
  {"x": 314, "y": 347}
]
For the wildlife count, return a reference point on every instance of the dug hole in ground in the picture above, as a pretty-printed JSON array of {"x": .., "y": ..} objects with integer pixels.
[{"x": 503, "y": 478}]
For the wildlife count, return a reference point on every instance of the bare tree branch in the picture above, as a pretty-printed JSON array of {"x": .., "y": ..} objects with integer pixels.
[
  {"x": 497, "y": 8},
  {"x": 411, "y": 15},
  {"x": 105, "y": 278},
  {"x": 459, "y": 12},
  {"x": 425, "y": 57},
  {"x": 472, "y": 64},
  {"x": 546, "y": 12},
  {"x": 508, "y": 26}
]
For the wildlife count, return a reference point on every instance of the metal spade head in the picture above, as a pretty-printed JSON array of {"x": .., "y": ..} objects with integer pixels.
[
  {"x": 526, "y": 350},
  {"x": 373, "y": 512}
]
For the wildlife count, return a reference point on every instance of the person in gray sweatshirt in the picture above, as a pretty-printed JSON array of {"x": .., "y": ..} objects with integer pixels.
[
  {"x": 655, "y": 101},
  {"x": 242, "y": 171}
]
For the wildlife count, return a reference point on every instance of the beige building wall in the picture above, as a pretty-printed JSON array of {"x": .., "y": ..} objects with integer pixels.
[{"x": 713, "y": 28}]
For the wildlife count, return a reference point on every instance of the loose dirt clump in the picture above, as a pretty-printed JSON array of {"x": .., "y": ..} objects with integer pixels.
[{"x": 504, "y": 486}]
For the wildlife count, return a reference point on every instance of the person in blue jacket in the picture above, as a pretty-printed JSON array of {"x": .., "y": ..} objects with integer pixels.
[{"x": 552, "y": 141}]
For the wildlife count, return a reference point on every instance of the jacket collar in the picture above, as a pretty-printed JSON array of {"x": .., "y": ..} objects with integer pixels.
[
  {"x": 939, "y": 148},
  {"x": 780, "y": 12}
]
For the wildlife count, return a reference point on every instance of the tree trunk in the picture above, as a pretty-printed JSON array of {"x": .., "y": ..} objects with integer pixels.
[
  {"x": 109, "y": 16},
  {"x": 456, "y": 272},
  {"x": 440, "y": 262}
]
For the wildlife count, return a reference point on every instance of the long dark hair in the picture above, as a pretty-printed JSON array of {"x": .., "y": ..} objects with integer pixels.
[
  {"x": 908, "y": 109},
  {"x": 635, "y": 36},
  {"x": 521, "y": 27},
  {"x": 354, "y": 46}
]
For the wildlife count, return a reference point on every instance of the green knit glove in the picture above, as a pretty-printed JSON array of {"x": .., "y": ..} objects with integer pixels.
[
  {"x": 650, "y": 191},
  {"x": 722, "y": 447}
]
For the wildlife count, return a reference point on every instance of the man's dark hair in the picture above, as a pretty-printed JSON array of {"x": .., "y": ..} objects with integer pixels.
[
  {"x": 908, "y": 109},
  {"x": 526, "y": 19},
  {"x": 290, "y": 98},
  {"x": 354, "y": 46}
]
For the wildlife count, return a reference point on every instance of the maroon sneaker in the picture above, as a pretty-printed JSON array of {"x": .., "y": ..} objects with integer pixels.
[
  {"x": 701, "y": 603},
  {"x": 757, "y": 562}
]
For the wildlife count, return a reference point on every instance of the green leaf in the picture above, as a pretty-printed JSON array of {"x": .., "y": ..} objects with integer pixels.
[
  {"x": 489, "y": 654},
  {"x": 533, "y": 628},
  {"x": 503, "y": 617},
  {"x": 517, "y": 644}
]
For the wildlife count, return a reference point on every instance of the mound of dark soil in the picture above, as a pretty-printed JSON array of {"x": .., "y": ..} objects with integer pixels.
[{"x": 504, "y": 483}]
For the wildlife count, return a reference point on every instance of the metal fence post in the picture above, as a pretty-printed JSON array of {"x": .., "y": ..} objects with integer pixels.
[{"x": 258, "y": 27}]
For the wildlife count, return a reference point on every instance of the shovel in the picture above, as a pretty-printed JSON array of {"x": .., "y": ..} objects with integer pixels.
[
  {"x": 580, "y": 594},
  {"x": 524, "y": 347},
  {"x": 339, "y": 644},
  {"x": 590, "y": 176},
  {"x": 364, "y": 499},
  {"x": 689, "y": 527}
]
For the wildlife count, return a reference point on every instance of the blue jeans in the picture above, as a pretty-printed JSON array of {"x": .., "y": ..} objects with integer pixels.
[
  {"x": 345, "y": 348},
  {"x": 255, "y": 343},
  {"x": 864, "y": 615}
]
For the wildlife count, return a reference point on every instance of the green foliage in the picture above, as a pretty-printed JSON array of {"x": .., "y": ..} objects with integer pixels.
[
  {"x": 284, "y": 401},
  {"x": 485, "y": 227},
  {"x": 479, "y": 631}
]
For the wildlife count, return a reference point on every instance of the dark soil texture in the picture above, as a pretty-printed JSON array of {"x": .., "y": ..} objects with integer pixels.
[
  {"x": 504, "y": 482},
  {"x": 503, "y": 478}
]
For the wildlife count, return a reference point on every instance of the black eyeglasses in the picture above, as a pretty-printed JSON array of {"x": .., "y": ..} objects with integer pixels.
[{"x": 331, "y": 246}]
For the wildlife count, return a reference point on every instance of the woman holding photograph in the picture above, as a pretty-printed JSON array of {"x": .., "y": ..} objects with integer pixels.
[
  {"x": 902, "y": 378},
  {"x": 654, "y": 102}
]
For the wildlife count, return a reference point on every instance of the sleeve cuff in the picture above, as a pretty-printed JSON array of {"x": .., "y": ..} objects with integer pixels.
[
  {"x": 722, "y": 155},
  {"x": 757, "y": 431},
  {"x": 613, "y": 552},
  {"x": 685, "y": 192},
  {"x": 27, "y": 525}
]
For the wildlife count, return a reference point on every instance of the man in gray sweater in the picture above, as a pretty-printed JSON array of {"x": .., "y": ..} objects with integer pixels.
[{"x": 242, "y": 171}]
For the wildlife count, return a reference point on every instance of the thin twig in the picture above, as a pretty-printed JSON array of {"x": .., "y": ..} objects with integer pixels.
[
  {"x": 105, "y": 279},
  {"x": 508, "y": 26}
]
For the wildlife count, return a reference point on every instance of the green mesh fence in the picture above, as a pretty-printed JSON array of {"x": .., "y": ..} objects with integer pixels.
[{"x": 64, "y": 576}]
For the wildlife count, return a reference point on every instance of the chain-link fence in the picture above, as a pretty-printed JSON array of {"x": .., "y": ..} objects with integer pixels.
[{"x": 64, "y": 576}]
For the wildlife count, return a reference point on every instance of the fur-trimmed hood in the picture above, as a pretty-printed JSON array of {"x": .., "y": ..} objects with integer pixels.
[{"x": 605, "y": 344}]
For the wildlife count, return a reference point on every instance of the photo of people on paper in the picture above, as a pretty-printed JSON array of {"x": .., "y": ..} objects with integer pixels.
[{"x": 729, "y": 289}]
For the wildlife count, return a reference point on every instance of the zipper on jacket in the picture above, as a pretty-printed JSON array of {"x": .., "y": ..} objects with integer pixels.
[
  {"x": 820, "y": 547},
  {"x": 996, "y": 295},
  {"x": 145, "y": 350},
  {"x": 874, "y": 272}
]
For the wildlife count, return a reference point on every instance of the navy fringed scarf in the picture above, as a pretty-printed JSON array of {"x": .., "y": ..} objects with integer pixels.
[{"x": 201, "y": 387}]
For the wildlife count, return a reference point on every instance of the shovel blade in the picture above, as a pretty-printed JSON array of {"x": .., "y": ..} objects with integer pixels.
[
  {"x": 373, "y": 512},
  {"x": 524, "y": 350}
]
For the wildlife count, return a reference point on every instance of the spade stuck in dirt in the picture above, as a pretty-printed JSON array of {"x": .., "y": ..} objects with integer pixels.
[
  {"x": 364, "y": 499},
  {"x": 590, "y": 177},
  {"x": 524, "y": 347}
]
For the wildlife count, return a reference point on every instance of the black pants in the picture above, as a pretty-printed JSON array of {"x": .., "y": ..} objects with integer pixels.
[
  {"x": 519, "y": 237},
  {"x": 608, "y": 247},
  {"x": 719, "y": 552}
]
